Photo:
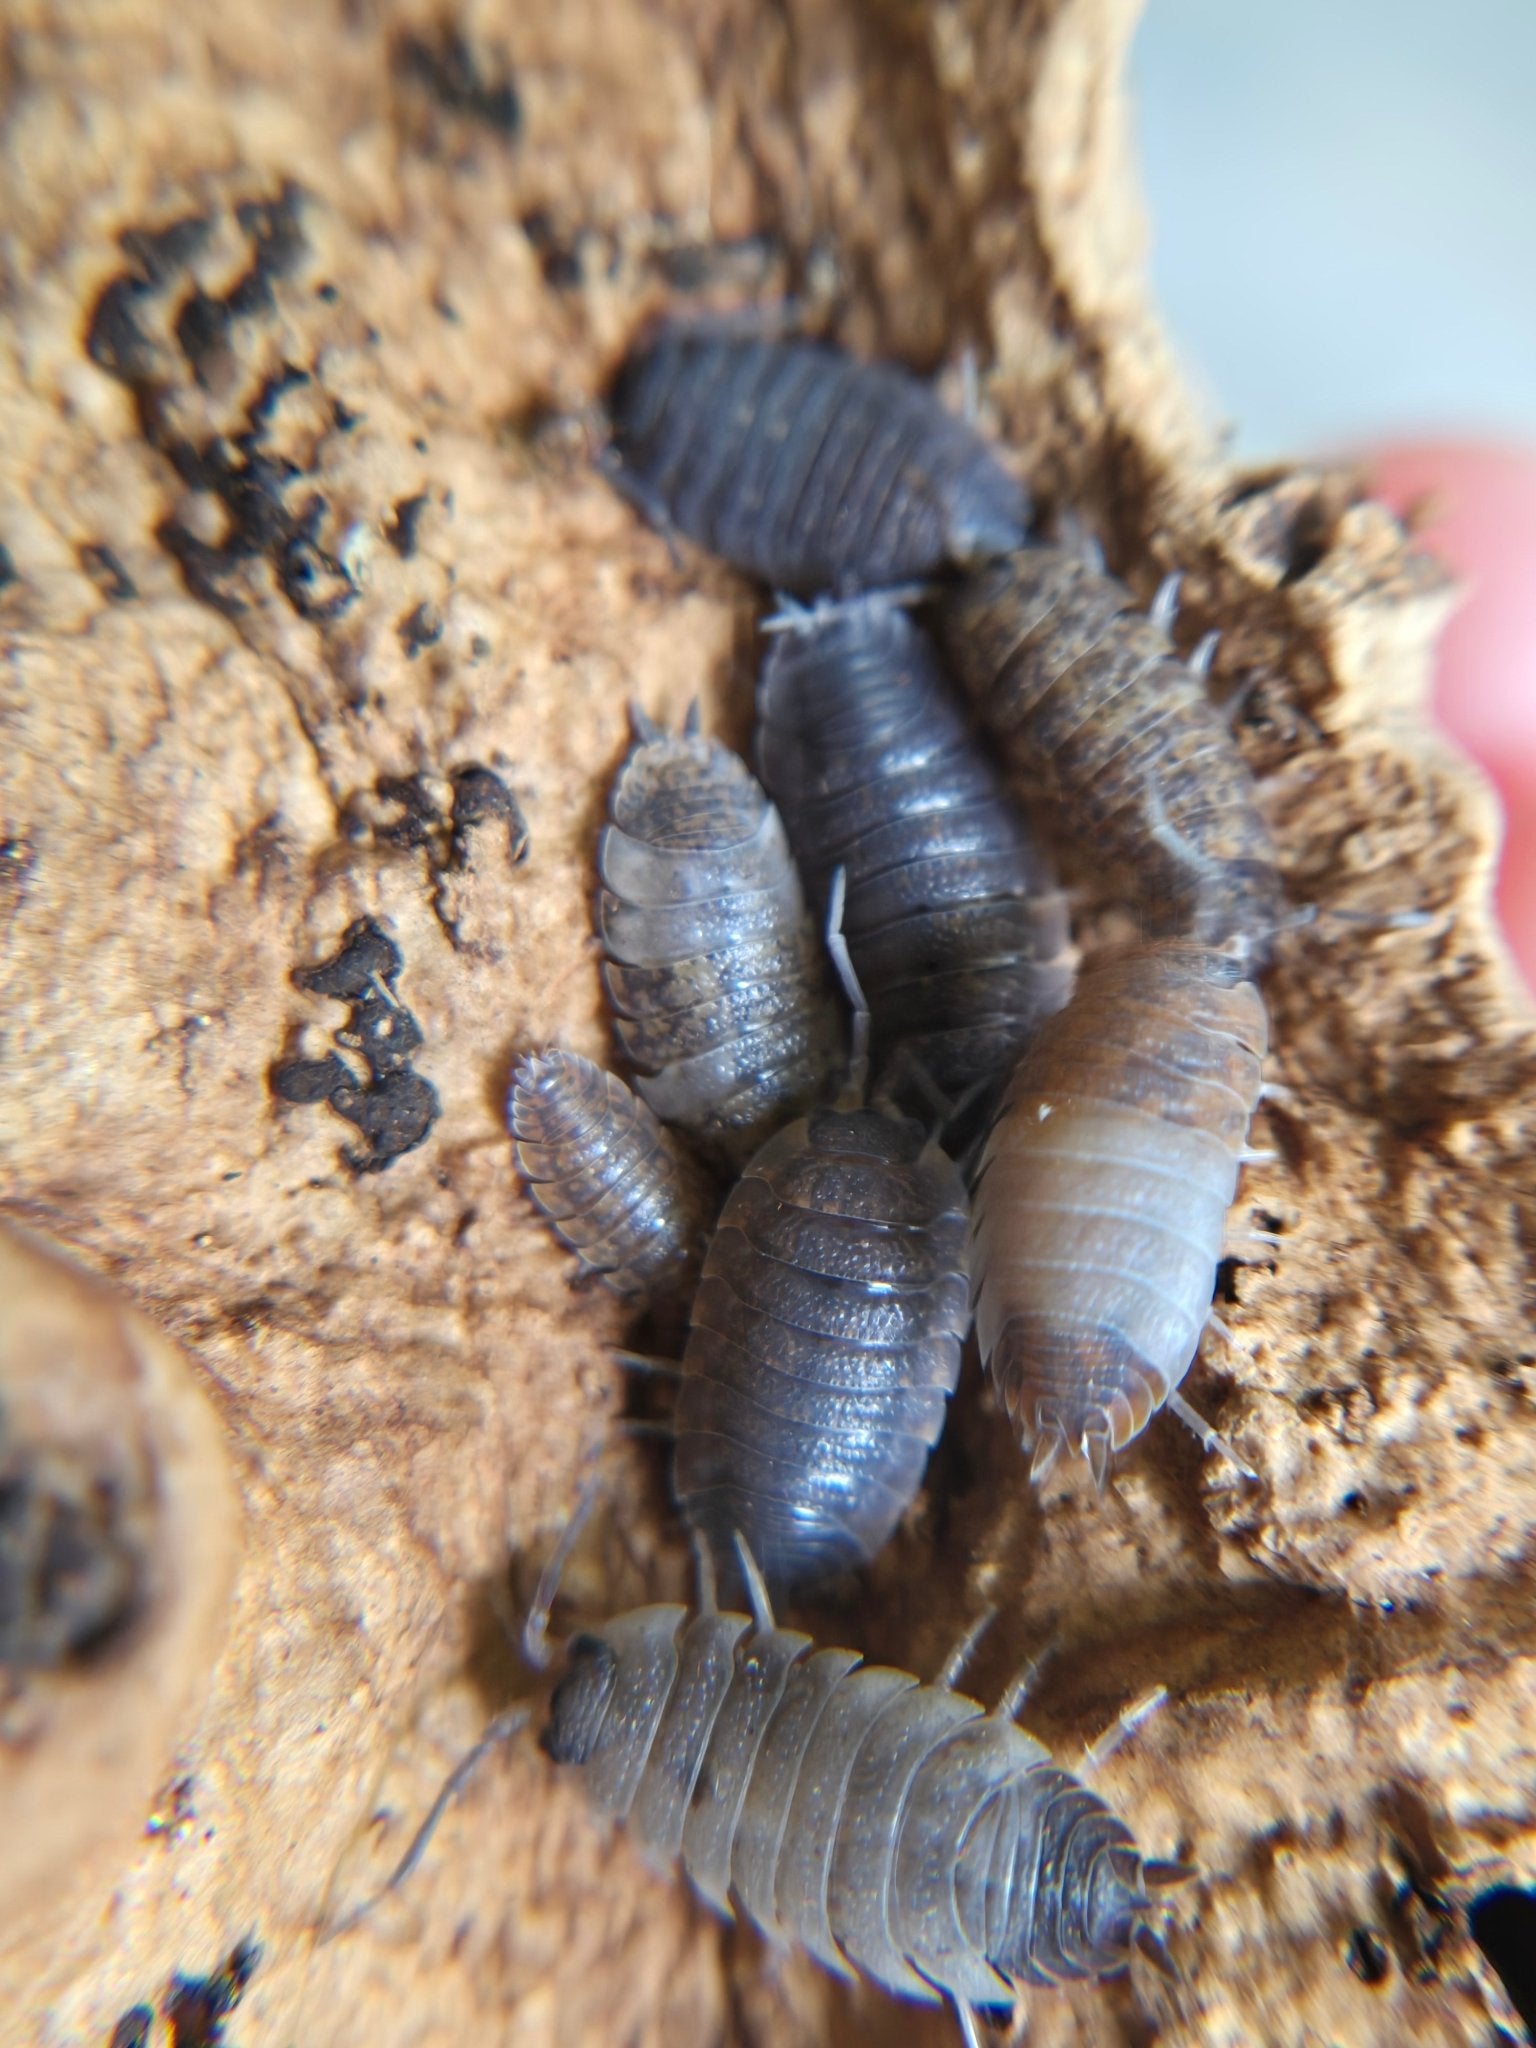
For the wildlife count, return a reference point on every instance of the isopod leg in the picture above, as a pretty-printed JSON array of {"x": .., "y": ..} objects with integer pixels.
[
  {"x": 961, "y": 1654},
  {"x": 506, "y": 1724},
  {"x": 645, "y": 1361},
  {"x": 1164, "y": 608},
  {"x": 970, "y": 2024},
  {"x": 858, "y": 1002},
  {"x": 1199, "y": 663},
  {"x": 1020, "y": 1686},
  {"x": 704, "y": 1571},
  {"x": 536, "y": 1650},
  {"x": 1211, "y": 1439},
  {"x": 647, "y": 502},
  {"x": 1120, "y": 1730},
  {"x": 757, "y": 1590}
]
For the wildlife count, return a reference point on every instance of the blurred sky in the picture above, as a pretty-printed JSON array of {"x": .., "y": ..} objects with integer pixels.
[{"x": 1343, "y": 198}]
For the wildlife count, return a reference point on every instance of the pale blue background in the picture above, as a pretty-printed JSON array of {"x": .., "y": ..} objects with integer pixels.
[{"x": 1343, "y": 206}]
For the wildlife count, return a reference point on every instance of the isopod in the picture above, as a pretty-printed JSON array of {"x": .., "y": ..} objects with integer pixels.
[
  {"x": 953, "y": 918},
  {"x": 1096, "y": 710},
  {"x": 1101, "y": 1202},
  {"x": 824, "y": 1344},
  {"x": 803, "y": 466},
  {"x": 613, "y": 1184},
  {"x": 895, "y": 1830},
  {"x": 713, "y": 969}
]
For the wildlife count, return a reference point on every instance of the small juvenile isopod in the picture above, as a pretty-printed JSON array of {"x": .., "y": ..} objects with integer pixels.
[
  {"x": 613, "y": 1185},
  {"x": 713, "y": 969},
  {"x": 953, "y": 918},
  {"x": 824, "y": 1344},
  {"x": 1101, "y": 1202},
  {"x": 1097, "y": 711},
  {"x": 802, "y": 465}
]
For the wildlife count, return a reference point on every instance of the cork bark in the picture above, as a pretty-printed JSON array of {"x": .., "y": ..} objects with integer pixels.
[{"x": 304, "y": 307}]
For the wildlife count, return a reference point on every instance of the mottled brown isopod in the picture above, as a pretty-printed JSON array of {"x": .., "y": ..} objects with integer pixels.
[
  {"x": 1097, "y": 712},
  {"x": 1100, "y": 1207}
]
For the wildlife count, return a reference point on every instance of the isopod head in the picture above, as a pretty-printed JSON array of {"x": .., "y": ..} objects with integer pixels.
[{"x": 580, "y": 1702}]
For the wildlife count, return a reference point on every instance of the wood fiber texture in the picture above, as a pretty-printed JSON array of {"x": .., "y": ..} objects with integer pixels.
[{"x": 299, "y": 522}]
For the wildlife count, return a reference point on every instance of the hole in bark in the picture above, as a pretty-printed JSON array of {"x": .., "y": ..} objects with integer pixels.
[
  {"x": 1504, "y": 1928},
  {"x": 1367, "y": 1955}
]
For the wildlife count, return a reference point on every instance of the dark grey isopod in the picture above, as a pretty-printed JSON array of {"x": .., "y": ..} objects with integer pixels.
[
  {"x": 714, "y": 970},
  {"x": 825, "y": 1342},
  {"x": 953, "y": 919},
  {"x": 896, "y": 1830},
  {"x": 613, "y": 1185},
  {"x": 803, "y": 466},
  {"x": 1093, "y": 706}
]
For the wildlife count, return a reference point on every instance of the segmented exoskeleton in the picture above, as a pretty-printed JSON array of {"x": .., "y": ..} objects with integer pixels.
[
  {"x": 896, "y": 1830},
  {"x": 713, "y": 968},
  {"x": 803, "y": 466},
  {"x": 1098, "y": 712},
  {"x": 614, "y": 1186},
  {"x": 825, "y": 1342},
  {"x": 1101, "y": 1202},
  {"x": 953, "y": 919}
]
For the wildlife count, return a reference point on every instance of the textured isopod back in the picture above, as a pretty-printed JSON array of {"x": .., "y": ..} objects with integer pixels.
[
  {"x": 954, "y": 922},
  {"x": 1100, "y": 1207},
  {"x": 614, "y": 1186},
  {"x": 803, "y": 466},
  {"x": 894, "y": 1830},
  {"x": 1095, "y": 710},
  {"x": 824, "y": 1345},
  {"x": 713, "y": 967}
]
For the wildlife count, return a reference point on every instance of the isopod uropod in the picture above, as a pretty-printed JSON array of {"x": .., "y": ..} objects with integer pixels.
[
  {"x": 803, "y": 466},
  {"x": 953, "y": 918},
  {"x": 1096, "y": 709},
  {"x": 712, "y": 966},
  {"x": 824, "y": 1344},
  {"x": 1101, "y": 1202},
  {"x": 614, "y": 1186},
  {"x": 896, "y": 1830}
]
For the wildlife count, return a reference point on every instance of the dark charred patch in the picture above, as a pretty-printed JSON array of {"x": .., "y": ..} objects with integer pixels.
[
  {"x": 107, "y": 573},
  {"x": 417, "y": 821},
  {"x": 175, "y": 1810},
  {"x": 1368, "y": 1956},
  {"x": 195, "y": 2008},
  {"x": 420, "y": 628},
  {"x": 8, "y": 573},
  {"x": 404, "y": 529},
  {"x": 311, "y": 1080},
  {"x": 476, "y": 85},
  {"x": 480, "y": 797},
  {"x": 407, "y": 811},
  {"x": 132, "y": 2029},
  {"x": 159, "y": 254},
  {"x": 71, "y": 1565},
  {"x": 177, "y": 376},
  {"x": 394, "y": 1108},
  {"x": 1503, "y": 1924},
  {"x": 18, "y": 858},
  {"x": 559, "y": 259}
]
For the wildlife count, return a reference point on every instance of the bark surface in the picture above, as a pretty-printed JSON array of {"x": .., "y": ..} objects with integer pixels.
[{"x": 302, "y": 307}]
